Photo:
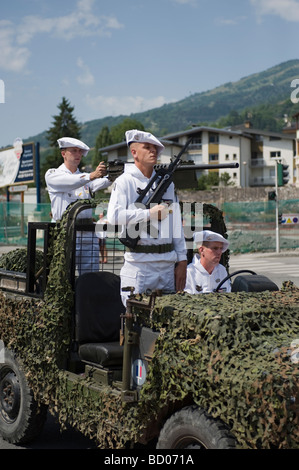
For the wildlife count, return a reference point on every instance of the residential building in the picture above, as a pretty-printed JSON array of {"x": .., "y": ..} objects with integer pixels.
[
  {"x": 292, "y": 129},
  {"x": 254, "y": 150}
]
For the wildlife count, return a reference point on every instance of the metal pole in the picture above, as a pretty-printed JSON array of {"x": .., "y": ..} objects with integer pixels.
[
  {"x": 37, "y": 172},
  {"x": 276, "y": 208}
]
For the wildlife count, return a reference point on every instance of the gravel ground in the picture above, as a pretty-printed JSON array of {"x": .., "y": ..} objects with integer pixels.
[{"x": 263, "y": 241}]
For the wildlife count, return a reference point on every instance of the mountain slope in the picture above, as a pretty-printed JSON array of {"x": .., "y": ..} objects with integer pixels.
[{"x": 271, "y": 87}]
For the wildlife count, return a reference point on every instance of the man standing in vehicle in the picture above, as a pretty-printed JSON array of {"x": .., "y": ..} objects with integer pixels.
[
  {"x": 65, "y": 185},
  {"x": 159, "y": 261}
]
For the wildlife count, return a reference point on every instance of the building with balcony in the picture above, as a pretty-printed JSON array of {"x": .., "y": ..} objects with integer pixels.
[{"x": 255, "y": 151}]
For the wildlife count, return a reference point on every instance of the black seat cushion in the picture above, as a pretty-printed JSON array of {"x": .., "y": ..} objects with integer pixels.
[
  {"x": 253, "y": 283},
  {"x": 98, "y": 307},
  {"x": 106, "y": 354}
]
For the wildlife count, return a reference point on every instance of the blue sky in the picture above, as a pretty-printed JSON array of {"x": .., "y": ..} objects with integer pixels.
[{"x": 111, "y": 57}]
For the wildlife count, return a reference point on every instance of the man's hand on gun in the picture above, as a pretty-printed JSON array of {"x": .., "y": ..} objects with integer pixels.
[
  {"x": 159, "y": 211},
  {"x": 99, "y": 172}
]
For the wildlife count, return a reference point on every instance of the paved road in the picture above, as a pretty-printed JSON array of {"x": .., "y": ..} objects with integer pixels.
[
  {"x": 52, "y": 438},
  {"x": 278, "y": 267}
]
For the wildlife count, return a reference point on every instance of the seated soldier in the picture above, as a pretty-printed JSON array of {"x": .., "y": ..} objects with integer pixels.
[{"x": 205, "y": 273}]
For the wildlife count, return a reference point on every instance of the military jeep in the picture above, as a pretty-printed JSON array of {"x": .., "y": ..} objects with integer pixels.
[{"x": 173, "y": 370}]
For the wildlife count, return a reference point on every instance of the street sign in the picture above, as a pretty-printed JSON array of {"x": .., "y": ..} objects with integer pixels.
[
  {"x": 18, "y": 189},
  {"x": 17, "y": 164},
  {"x": 287, "y": 219}
]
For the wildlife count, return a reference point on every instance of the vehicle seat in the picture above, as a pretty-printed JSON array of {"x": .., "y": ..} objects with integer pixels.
[
  {"x": 98, "y": 308},
  {"x": 253, "y": 283}
]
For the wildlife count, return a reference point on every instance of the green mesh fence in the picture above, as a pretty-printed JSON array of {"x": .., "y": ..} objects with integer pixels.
[
  {"x": 251, "y": 226},
  {"x": 14, "y": 218}
]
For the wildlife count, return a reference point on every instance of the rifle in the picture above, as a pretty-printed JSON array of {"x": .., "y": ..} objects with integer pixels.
[
  {"x": 162, "y": 179},
  {"x": 116, "y": 168}
]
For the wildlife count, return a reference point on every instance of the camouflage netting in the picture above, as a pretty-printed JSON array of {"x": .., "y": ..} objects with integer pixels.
[
  {"x": 16, "y": 260},
  {"x": 229, "y": 353}
]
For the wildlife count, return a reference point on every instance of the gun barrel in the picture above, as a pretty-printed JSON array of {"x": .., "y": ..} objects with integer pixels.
[
  {"x": 200, "y": 166},
  {"x": 116, "y": 167},
  {"x": 209, "y": 167}
]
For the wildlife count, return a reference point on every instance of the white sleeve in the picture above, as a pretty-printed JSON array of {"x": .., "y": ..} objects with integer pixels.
[
  {"x": 58, "y": 181},
  {"x": 61, "y": 181},
  {"x": 190, "y": 280},
  {"x": 99, "y": 183},
  {"x": 120, "y": 210}
]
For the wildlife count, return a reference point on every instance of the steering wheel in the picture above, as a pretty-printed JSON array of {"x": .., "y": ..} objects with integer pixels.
[{"x": 231, "y": 275}]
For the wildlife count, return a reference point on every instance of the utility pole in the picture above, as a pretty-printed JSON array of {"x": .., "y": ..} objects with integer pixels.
[{"x": 276, "y": 207}]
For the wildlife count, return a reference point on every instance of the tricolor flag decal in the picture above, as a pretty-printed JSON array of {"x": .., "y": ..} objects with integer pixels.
[{"x": 138, "y": 372}]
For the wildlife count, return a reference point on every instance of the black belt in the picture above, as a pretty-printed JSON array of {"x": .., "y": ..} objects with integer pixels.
[{"x": 165, "y": 248}]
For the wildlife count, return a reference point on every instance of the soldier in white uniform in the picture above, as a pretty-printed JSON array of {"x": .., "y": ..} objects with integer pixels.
[
  {"x": 65, "y": 185},
  {"x": 205, "y": 272},
  {"x": 159, "y": 259}
]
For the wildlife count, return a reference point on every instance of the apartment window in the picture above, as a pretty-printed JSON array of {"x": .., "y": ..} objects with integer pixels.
[
  {"x": 196, "y": 143},
  {"x": 234, "y": 156},
  {"x": 226, "y": 156},
  {"x": 214, "y": 138},
  {"x": 275, "y": 154},
  {"x": 213, "y": 157},
  {"x": 196, "y": 157}
]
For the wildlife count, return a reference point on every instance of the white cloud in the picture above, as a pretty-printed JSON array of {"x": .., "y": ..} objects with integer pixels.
[
  {"x": 15, "y": 39},
  {"x": 82, "y": 22},
  {"x": 114, "y": 105},
  {"x": 286, "y": 9},
  {"x": 86, "y": 78},
  {"x": 13, "y": 57}
]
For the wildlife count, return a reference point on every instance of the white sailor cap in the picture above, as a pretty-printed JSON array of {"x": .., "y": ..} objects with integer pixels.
[
  {"x": 66, "y": 142},
  {"x": 209, "y": 236},
  {"x": 134, "y": 135}
]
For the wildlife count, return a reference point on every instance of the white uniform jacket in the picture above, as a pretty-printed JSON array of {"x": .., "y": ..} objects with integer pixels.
[
  {"x": 200, "y": 281},
  {"x": 66, "y": 187},
  {"x": 123, "y": 211}
]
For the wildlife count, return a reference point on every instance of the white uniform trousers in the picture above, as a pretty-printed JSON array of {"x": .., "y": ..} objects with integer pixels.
[{"x": 143, "y": 276}]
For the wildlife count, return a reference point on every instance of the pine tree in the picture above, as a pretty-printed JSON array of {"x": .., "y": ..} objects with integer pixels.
[
  {"x": 103, "y": 140},
  {"x": 64, "y": 125},
  {"x": 113, "y": 136}
]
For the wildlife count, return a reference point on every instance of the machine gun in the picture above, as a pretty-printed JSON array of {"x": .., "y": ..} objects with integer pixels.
[{"x": 160, "y": 181}]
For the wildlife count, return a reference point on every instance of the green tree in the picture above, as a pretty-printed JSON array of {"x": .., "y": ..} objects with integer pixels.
[
  {"x": 112, "y": 136},
  {"x": 103, "y": 140},
  {"x": 225, "y": 180},
  {"x": 207, "y": 181},
  {"x": 64, "y": 125},
  {"x": 117, "y": 133}
]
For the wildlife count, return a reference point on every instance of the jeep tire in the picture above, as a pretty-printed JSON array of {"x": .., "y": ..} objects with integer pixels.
[
  {"x": 192, "y": 428},
  {"x": 21, "y": 418}
]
